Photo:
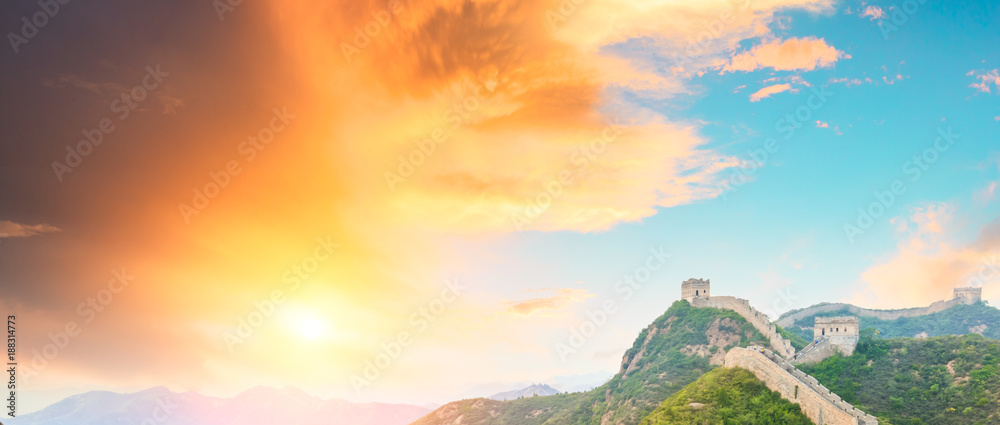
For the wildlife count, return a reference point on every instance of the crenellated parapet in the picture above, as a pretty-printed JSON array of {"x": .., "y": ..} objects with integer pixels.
[{"x": 967, "y": 295}]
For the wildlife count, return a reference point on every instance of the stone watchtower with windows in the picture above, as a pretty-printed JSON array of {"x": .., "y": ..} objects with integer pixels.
[
  {"x": 842, "y": 332},
  {"x": 695, "y": 288},
  {"x": 969, "y": 295}
]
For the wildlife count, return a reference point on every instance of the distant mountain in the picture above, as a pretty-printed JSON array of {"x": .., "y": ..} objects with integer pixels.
[
  {"x": 561, "y": 383},
  {"x": 531, "y": 391},
  {"x": 257, "y": 406},
  {"x": 961, "y": 319}
]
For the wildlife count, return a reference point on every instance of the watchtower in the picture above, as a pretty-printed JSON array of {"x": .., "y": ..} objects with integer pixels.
[
  {"x": 842, "y": 332},
  {"x": 695, "y": 288},
  {"x": 969, "y": 295}
]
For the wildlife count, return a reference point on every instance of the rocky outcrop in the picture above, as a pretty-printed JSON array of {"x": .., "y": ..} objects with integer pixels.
[{"x": 757, "y": 319}]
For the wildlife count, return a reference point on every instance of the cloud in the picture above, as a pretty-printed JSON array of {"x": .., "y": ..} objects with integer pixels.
[
  {"x": 549, "y": 305},
  {"x": 927, "y": 263},
  {"x": 873, "y": 13},
  {"x": 803, "y": 54},
  {"x": 821, "y": 124},
  {"x": 986, "y": 195},
  {"x": 986, "y": 78},
  {"x": 770, "y": 90},
  {"x": 10, "y": 229},
  {"x": 555, "y": 91},
  {"x": 889, "y": 79}
]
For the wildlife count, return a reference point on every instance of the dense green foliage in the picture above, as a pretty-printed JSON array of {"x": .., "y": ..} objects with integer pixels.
[
  {"x": 523, "y": 411},
  {"x": 956, "y": 320},
  {"x": 655, "y": 369},
  {"x": 798, "y": 342},
  {"x": 905, "y": 381},
  {"x": 730, "y": 397}
]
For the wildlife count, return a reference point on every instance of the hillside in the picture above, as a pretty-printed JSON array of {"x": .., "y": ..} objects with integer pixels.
[
  {"x": 672, "y": 352},
  {"x": 727, "y": 396},
  {"x": 957, "y": 320},
  {"x": 933, "y": 381}
]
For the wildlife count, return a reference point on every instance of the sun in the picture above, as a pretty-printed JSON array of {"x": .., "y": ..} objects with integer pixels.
[{"x": 311, "y": 328}]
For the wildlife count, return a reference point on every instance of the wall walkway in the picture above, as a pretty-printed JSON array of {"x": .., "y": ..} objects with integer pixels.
[{"x": 817, "y": 402}]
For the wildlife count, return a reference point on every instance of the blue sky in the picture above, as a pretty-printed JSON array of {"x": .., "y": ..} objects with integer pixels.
[{"x": 783, "y": 231}]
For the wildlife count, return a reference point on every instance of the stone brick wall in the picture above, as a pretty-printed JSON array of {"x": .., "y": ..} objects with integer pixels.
[
  {"x": 816, "y": 401},
  {"x": 881, "y": 314}
]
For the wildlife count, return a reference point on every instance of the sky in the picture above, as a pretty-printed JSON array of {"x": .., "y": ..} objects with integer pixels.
[{"x": 400, "y": 201}]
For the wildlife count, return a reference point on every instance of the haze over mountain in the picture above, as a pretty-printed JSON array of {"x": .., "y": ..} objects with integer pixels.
[
  {"x": 256, "y": 406},
  {"x": 531, "y": 391}
]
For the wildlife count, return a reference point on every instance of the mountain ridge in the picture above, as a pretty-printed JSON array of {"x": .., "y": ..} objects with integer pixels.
[{"x": 255, "y": 406}]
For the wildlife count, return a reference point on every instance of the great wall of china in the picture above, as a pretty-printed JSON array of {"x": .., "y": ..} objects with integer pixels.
[
  {"x": 961, "y": 296},
  {"x": 831, "y": 335},
  {"x": 817, "y": 402}
]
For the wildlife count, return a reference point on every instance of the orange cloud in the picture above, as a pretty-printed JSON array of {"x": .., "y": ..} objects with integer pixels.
[
  {"x": 986, "y": 78},
  {"x": 770, "y": 90},
  {"x": 927, "y": 264},
  {"x": 10, "y": 229},
  {"x": 531, "y": 83},
  {"x": 821, "y": 124},
  {"x": 803, "y": 54},
  {"x": 563, "y": 298},
  {"x": 873, "y": 13}
]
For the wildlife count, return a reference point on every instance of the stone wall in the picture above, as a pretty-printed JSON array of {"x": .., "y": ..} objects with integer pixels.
[
  {"x": 816, "y": 401},
  {"x": 757, "y": 319},
  {"x": 936, "y": 307},
  {"x": 819, "y": 351}
]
